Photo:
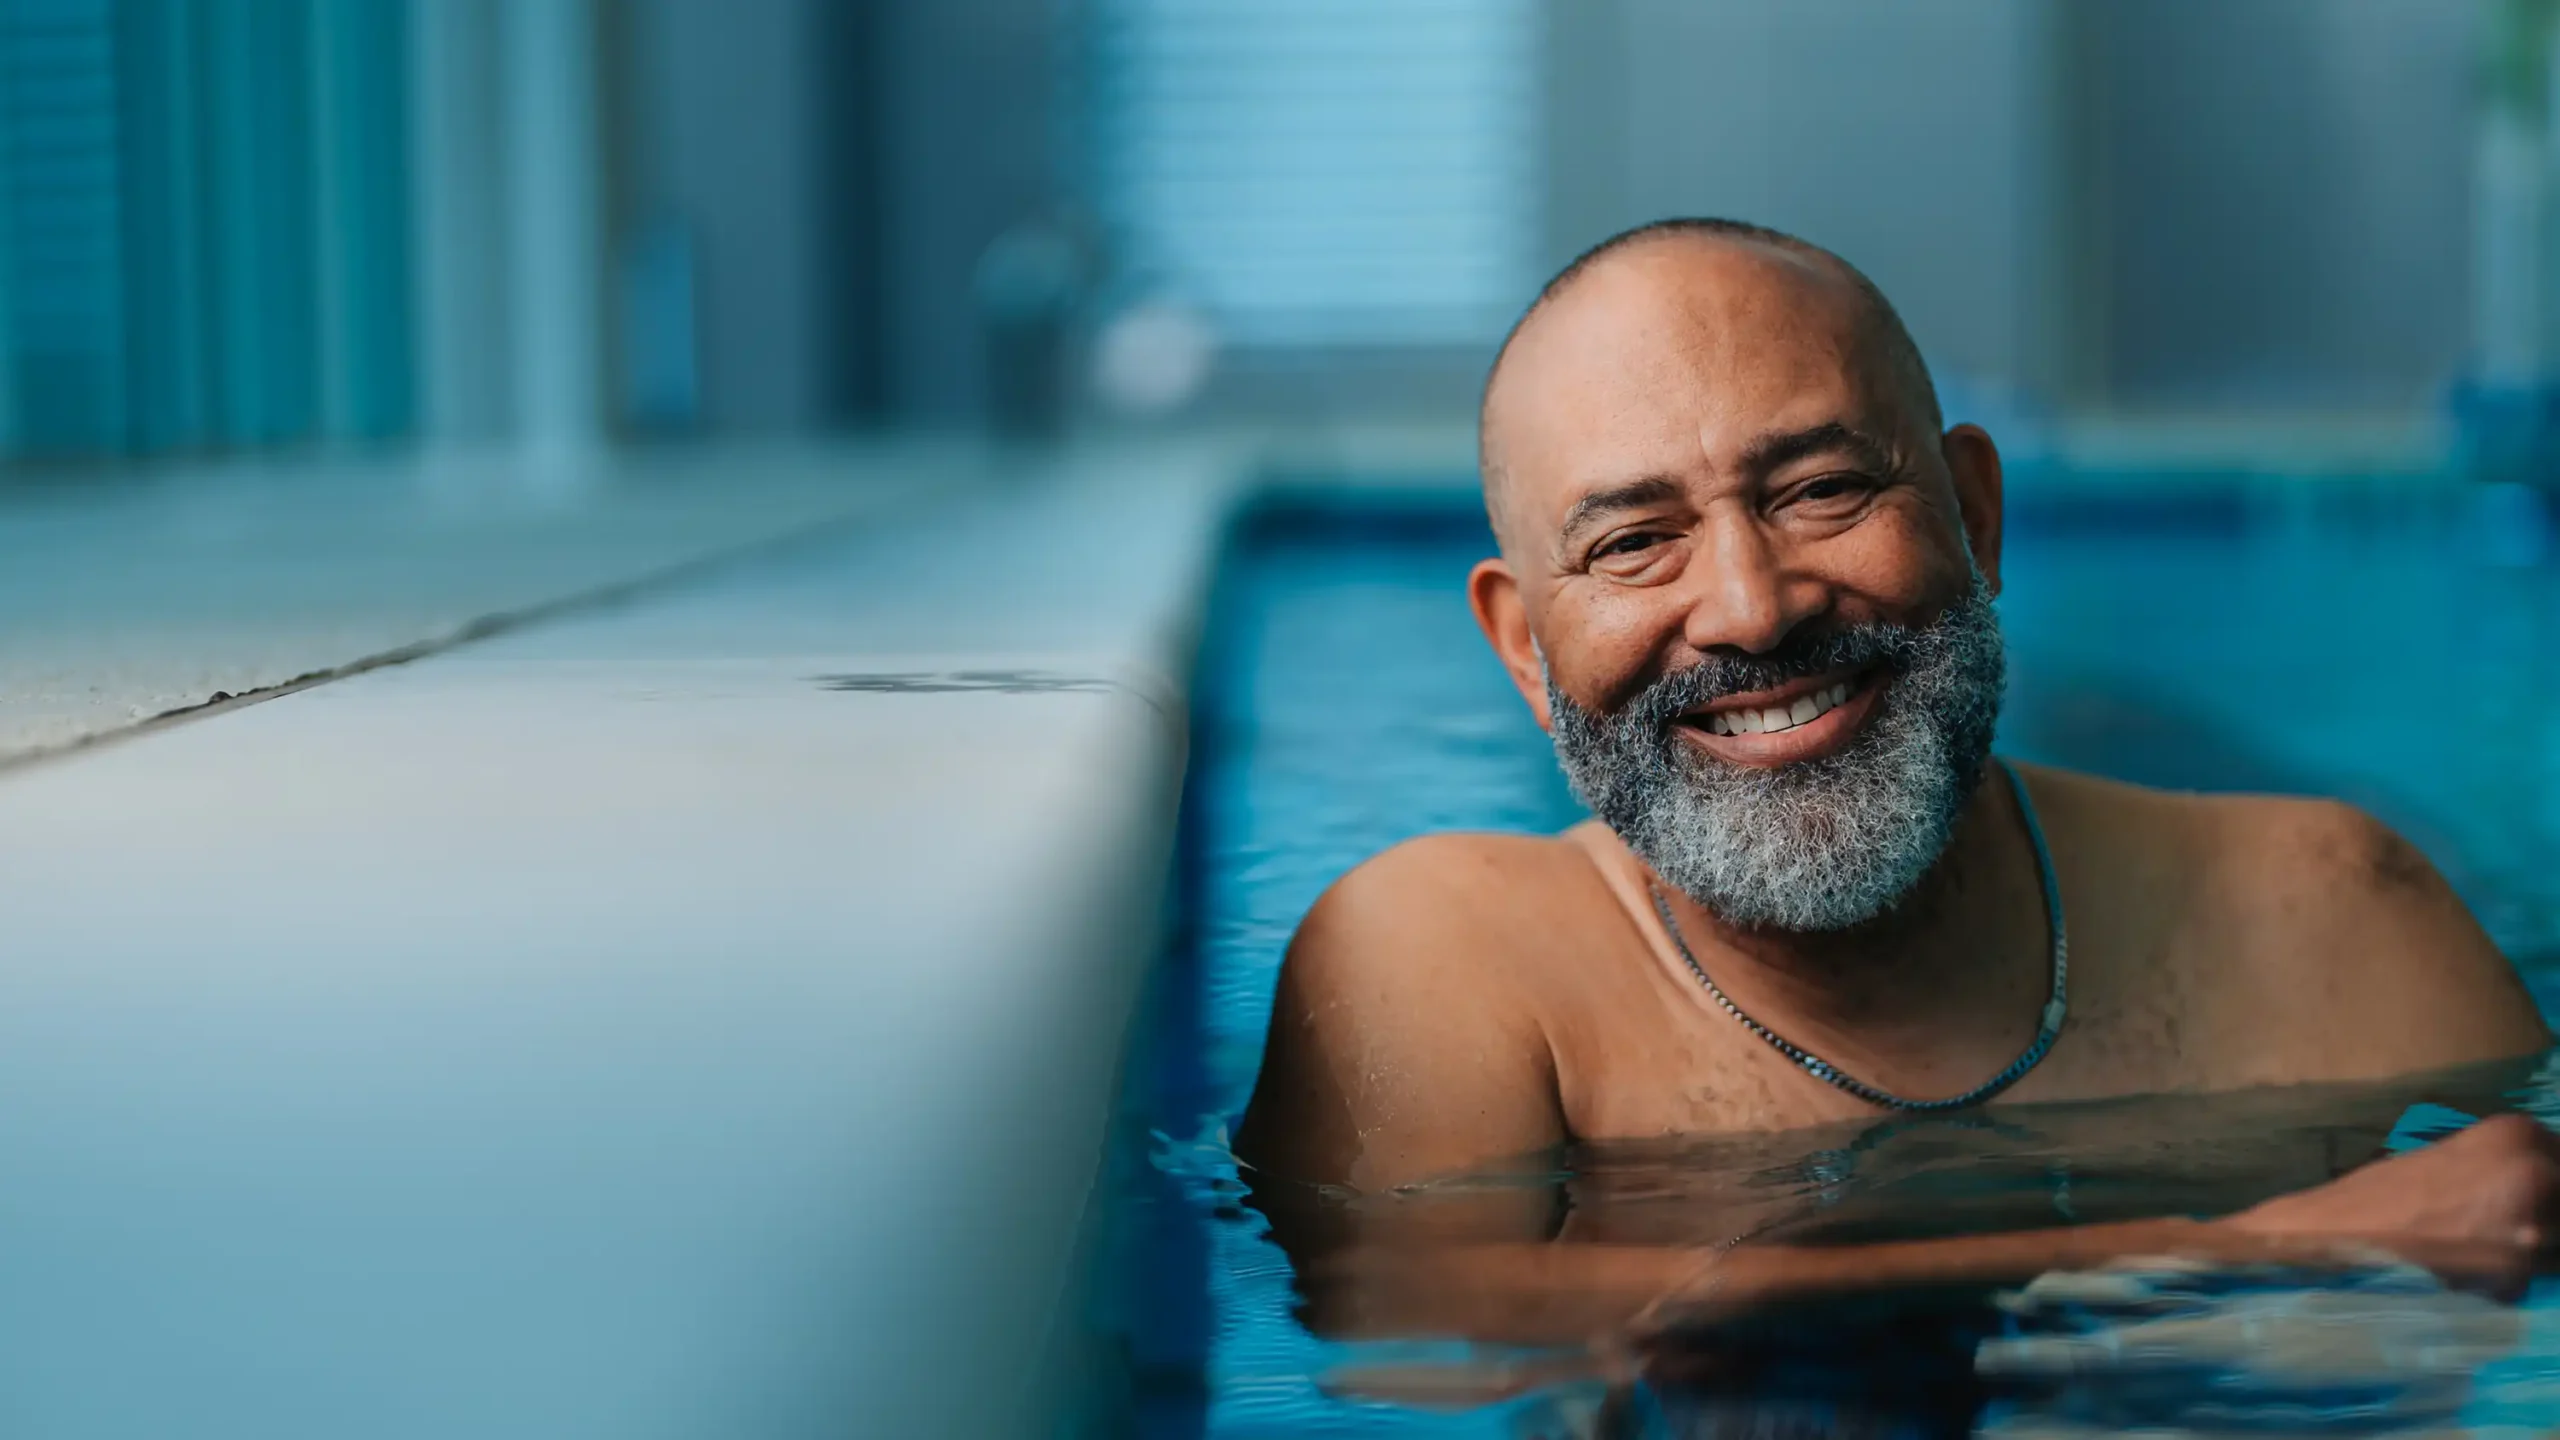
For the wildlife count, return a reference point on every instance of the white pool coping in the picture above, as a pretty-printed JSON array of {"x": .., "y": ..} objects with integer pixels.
[{"x": 693, "y": 1016}]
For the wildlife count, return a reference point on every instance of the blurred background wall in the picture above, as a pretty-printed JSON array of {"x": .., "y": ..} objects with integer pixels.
[{"x": 235, "y": 225}]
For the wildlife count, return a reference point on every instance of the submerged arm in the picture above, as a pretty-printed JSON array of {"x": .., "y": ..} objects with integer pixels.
[{"x": 2474, "y": 1208}]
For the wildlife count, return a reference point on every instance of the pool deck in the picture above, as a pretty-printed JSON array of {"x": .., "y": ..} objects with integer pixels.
[{"x": 501, "y": 949}]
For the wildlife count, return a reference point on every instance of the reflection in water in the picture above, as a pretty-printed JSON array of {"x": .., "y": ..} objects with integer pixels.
[
  {"x": 2149, "y": 1344},
  {"x": 1350, "y": 705},
  {"x": 2170, "y": 1346}
]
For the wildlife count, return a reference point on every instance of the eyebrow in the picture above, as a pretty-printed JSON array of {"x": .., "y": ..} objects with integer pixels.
[
  {"x": 1587, "y": 511},
  {"x": 1770, "y": 452}
]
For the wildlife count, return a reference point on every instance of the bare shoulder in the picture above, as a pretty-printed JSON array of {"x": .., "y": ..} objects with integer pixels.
[
  {"x": 2355, "y": 949},
  {"x": 2319, "y": 873},
  {"x": 1443, "y": 928},
  {"x": 1403, "y": 1041},
  {"x": 1466, "y": 858},
  {"x": 1459, "y": 886}
]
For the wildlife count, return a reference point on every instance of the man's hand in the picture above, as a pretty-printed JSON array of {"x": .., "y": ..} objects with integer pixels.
[{"x": 2477, "y": 1208}]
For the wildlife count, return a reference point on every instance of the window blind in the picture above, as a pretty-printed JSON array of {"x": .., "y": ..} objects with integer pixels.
[
  {"x": 61, "y": 202},
  {"x": 203, "y": 224},
  {"x": 1322, "y": 172}
]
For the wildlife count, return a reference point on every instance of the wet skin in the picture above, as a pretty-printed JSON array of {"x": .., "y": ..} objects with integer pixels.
[{"x": 1705, "y": 447}]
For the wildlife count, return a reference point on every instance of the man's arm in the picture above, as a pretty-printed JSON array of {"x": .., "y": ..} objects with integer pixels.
[
  {"x": 2475, "y": 1208},
  {"x": 1400, "y": 1049}
]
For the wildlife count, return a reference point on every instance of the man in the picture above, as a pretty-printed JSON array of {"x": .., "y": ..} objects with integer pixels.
[{"x": 1745, "y": 583}]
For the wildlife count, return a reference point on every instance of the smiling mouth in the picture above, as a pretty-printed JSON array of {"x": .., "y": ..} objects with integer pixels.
[{"x": 1776, "y": 718}]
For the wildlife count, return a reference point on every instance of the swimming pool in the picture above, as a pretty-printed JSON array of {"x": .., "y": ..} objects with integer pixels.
[{"x": 2386, "y": 643}]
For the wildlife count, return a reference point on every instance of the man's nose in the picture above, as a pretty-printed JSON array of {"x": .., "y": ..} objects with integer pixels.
[{"x": 1740, "y": 593}]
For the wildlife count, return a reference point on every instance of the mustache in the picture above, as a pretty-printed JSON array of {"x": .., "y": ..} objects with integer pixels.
[{"x": 1858, "y": 646}]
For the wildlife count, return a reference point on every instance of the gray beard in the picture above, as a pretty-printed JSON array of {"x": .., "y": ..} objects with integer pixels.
[{"x": 1819, "y": 845}]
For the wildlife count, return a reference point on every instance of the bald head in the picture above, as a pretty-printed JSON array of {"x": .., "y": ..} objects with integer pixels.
[{"x": 1637, "y": 304}]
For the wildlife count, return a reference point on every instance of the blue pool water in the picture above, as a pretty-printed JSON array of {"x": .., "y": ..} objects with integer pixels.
[{"x": 2390, "y": 645}]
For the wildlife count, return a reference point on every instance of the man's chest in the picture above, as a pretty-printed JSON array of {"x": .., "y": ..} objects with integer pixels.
[{"x": 1650, "y": 1059}]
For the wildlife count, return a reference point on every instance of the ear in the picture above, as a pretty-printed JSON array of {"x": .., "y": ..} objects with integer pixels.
[
  {"x": 1495, "y": 596},
  {"x": 1974, "y": 464}
]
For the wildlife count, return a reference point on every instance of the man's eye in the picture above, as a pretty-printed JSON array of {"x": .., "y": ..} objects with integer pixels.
[
  {"x": 1627, "y": 544},
  {"x": 1829, "y": 489}
]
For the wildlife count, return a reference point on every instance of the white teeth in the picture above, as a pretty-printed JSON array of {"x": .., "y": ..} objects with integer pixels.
[{"x": 1777, "y": 717}]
